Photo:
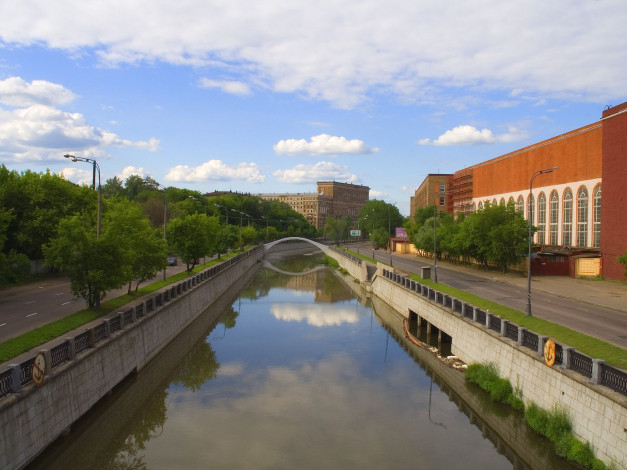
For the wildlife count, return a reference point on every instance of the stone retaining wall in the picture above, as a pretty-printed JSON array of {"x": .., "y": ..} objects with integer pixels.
[
  {"x": 35, "y": 417},
  {"x": 599, "y": 415}
]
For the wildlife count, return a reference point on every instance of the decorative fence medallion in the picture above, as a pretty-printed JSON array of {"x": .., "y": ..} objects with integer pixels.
[
  {"x": 39, "y": 369},
  {"x": 549, "y": 352}
]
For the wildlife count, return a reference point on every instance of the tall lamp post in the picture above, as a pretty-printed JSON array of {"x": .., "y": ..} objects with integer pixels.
[
  {"x": 539, "y": 172},
  {"x": 96, "y": 167},
  {"x": 99, "y": 216},
  {"x": 165, "y": 218}
]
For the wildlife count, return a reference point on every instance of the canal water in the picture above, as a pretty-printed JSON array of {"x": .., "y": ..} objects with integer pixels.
[{"x": 300, "y": 371}]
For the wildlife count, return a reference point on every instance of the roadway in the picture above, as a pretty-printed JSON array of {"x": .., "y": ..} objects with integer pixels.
[
  {"x": 24, "y": 308},
  {"x": 595, "y": 308}
]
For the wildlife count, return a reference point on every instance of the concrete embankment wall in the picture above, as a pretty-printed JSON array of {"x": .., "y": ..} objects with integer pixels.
[
  {"x": 599, "y": 415},
  {"x": 33, "y": 418}
]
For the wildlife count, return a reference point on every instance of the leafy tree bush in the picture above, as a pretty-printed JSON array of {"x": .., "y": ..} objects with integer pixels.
[{"x": 623, "y": 260}]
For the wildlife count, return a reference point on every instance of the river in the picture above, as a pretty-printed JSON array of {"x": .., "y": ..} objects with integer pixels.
[{"x": 300, "y": 371}]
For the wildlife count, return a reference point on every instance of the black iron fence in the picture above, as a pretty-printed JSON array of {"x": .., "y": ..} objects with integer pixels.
[
  {"x": 567, "y": 357},
  {"x": 345, "y": 254},
  {"x": 71, "y": 347}
]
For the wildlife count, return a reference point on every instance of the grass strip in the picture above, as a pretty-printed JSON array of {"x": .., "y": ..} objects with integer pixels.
[
  {"x": 20, "y": 344},
  {"x": 588, "y": 345}
]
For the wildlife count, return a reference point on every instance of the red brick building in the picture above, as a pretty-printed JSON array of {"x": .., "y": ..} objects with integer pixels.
[{"x": 566, "y": 204}]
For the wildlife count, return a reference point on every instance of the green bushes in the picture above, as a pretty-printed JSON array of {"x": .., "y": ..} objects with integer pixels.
[
  {"x": 554, "y": 424},
  {"x": 487, "y": 377},
  {"x": 331, "y": 262}
]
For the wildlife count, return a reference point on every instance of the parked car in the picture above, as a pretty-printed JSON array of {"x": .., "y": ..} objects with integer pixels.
[{"x": 172, "y": 260}]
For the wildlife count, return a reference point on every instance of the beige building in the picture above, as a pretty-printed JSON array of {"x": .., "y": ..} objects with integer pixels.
[{"x": 331, "y": 200}]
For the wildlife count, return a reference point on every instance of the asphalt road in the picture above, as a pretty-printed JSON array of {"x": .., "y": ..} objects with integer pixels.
[
  {"x": 24, "y": 308},
  {"x": 588, "y": 318}
]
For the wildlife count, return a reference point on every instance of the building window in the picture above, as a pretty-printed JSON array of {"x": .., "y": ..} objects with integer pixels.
[
  {"x": 502, "y": 202},
  {"x": 596, "y": 238},
  {"x": 530, "y": 208},
  {"x": 567, "y": 221},
  {"x": 442, "y": 188},
  {"x": 541, "y": 219},
  {"x": 480, "y": 205},
  {"x": 582, "y": 217},
  {"x": 553, "y": 215},
  {"x": 520, "y": 206},
  {"x": 441, "y": 201}
]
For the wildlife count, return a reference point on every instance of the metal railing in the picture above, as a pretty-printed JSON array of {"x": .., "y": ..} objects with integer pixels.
[
  {"x": 609, "y": 376},
  {"x": 345, "y": 254},
  {"x": 61, "y": 353}
]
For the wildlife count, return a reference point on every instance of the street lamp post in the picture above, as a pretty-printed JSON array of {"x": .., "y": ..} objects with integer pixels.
[
  {"x": 95, "y": 165},
  {"x": 226, "y": 213},
  {"x": 435, "y": 256},
  {"x": 165, "y": 219},
  {"x": 539, "y": 172}
]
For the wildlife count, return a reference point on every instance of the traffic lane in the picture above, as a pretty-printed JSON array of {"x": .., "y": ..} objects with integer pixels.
[{"x": 24, "y": 308}]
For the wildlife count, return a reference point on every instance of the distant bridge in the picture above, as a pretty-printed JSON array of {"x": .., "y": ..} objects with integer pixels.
[{"x": 267, "y": 246}]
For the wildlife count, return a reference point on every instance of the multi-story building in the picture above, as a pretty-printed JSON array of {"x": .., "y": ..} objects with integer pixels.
[
  {"x": 564, "y": 204},
  {"x": 331, "y": 200},
  {"x": 435, "y": 189}
]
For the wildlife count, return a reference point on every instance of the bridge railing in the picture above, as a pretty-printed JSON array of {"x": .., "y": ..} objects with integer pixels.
[
  {"x": 567, "y": 357},
  {"x": 18, "y": 375}
]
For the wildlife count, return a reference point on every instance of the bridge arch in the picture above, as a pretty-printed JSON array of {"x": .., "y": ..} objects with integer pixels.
[{"x": 323, "y": 248}]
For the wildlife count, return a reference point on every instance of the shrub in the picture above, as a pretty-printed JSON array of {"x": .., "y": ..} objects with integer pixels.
[
  {"x": 558, "y": 424},
  {"x": 501, "y": 390},
  {"x": 581, "y": 453},
  {"x": 537, "y": 419}
]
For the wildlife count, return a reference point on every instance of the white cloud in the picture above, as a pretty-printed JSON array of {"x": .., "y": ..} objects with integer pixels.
[
  {"x": 232, "y": 87},
  {"x": 14, "y": 91},
  {"x": 216, "y": 170},
  {"x": 470, "y": 135},
  {"x": 130, "y": 170},
  {"x": 78, "y": 175},
  {"x": 315, "y": 315},
  {"x": 320, "y": 171},
  {"x": 374, "y": 194},
  {"x": 343, "y": 55},
  {"x": 40, "y": 132},
  {"x": 322, "y": 144}
]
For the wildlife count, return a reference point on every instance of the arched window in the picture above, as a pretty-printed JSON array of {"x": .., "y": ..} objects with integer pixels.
[
  {"x": 582, "y": 217},
  {"x": 541, "y": 219},
  {"x": 502, "y": 202},
  {"x": 511, "y": 199},
  {"x": 494, "y": 202},
  {"x": 530, "y": 208},
  {"x": 480, "y": 205},
  {"x": 520, "y": 206},
  {"x": 567, "y": 218},
  {"x": 553, "y": 218},
  {"x": 596, "y": 218}
]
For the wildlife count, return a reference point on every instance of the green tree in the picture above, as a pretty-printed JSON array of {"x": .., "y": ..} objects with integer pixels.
[
  {"x": 193, "y": 237},
  {"x": 226, "y": 238},
  {"x": 144, "y": 249},
  {"x": 93, "y": 265},
  {"x": 379, "y": 214},
  {"x": 249, "y": 235},
  {"x": 113, "y": 187},
  {"x": 336, "y": 229}
]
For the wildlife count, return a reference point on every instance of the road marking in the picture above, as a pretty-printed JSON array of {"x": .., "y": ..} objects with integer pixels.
[
  {"x": 65, "y": 303},
  {"x": 30, "y": 302},
  {"x": 3, "y": 324},
  {"x": 60, "y": 293},
  {"x": 30, "y": 315}
]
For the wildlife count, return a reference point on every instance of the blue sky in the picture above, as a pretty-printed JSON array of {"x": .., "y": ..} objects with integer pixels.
[{"x": 273, "y": 96}]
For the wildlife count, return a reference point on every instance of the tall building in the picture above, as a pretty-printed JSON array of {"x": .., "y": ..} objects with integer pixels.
[
  {"x": 435, "y": 189},
  {"x": 331, "y": 200},
  {"x": 565, "y": 204}
]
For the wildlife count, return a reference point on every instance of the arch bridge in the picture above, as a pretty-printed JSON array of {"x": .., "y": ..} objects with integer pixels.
[{"x": 323, "y": 248}]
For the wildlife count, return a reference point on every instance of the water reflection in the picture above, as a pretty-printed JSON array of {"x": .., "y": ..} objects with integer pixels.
[{"x": 269, "y": 388}]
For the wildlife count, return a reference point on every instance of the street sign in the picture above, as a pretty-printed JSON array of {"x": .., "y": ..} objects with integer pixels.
[{"x": 355, "y": 233}]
